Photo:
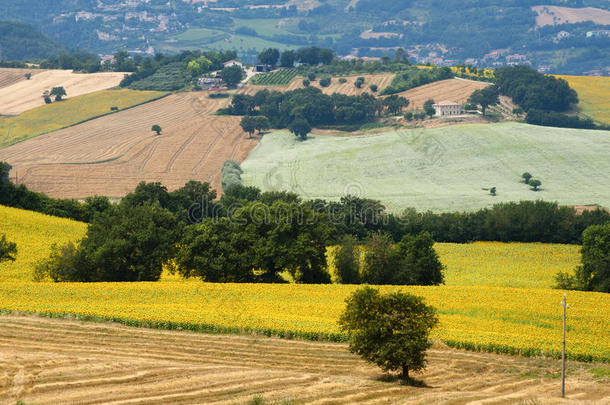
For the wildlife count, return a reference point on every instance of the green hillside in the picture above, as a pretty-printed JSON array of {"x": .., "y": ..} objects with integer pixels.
[
  {"x": 19, "y": 41},
  {"x": 441, "y": 169}
]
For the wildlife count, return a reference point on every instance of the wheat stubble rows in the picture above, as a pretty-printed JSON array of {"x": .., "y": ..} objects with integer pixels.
[
  {"x": 46, "y": 361},
  {"x": 111, "y": 155}
]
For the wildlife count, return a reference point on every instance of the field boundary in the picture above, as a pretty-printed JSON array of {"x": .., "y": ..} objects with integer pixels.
[
  {"x": 85, "y": 120},
  {"x": 308, "y": 336}
]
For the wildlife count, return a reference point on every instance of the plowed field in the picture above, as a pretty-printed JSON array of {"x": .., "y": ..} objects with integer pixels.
[
  {"x": 111, "y": 155},
  {"x": 45, "y": 361}
]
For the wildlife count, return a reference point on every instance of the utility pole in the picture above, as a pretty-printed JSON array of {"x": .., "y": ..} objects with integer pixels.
[{"x": 564, "y": 304}]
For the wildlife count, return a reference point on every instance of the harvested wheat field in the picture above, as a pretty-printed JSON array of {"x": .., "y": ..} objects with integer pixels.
[
  {"x": 555, "y": 15},
  {"x": 10, "y": 76},
  {"x": 111, "y": 155},
  {"x": 50, "y": 361},
  {"x": 457, "y": 90},
  {"x": 381, "y": 80},
  {"x": 27, "y": 94}
]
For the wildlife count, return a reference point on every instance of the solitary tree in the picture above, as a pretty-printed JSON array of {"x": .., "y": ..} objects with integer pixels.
[
  {"x": 58, "y": 92},
  {"x": 306, "y": 82},
  {"x": 156, "y": 128},
  {"x": 526, "y": 177},
  {"x": 8, "y": 250},
  {"x": 389, "y": 330},
  {"x": 28, "y": 76},
  {"x": 492, "y": 191},
  {"x": 535, "y": 183},
  {"x": 248, "y": 124},
  {"x": 300, "y": 127},
  {"x": 325, "y": 82}
]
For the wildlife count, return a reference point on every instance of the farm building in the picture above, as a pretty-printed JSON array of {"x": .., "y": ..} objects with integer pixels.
[
  {"x": 233, "y": 62},
  {"x": 448, "y": 108}
]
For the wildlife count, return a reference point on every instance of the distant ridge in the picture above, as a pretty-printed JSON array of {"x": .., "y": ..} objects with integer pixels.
[{"x": 20, "y": 41}]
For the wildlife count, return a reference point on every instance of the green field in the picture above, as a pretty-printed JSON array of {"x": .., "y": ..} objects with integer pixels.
[
  {"x": 203, "y": 38},
  {"x": 71, "y": 111},
  {"x": 277, "y": 78},
  {"x": 441, "y": 169}
]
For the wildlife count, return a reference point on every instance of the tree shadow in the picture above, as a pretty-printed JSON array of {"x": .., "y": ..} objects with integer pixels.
[{"x": 410, "y": 382}]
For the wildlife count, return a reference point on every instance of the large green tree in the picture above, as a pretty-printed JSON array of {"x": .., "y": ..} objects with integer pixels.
[
  {"x": 390, "y": 330},
  {"x": 485, "y": 97},
  {"x": 269, "y": 56},
  {"x": 300, "y": 127},
  {"x": 231, "y": 75},
  {"x": 594, "y": 272},
  {"x": 129, "y": 243}
]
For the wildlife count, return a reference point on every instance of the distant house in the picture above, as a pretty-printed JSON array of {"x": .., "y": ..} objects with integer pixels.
[
  {"x": 448, "y": 108},
  {"x": 233, "y": 62},
  {"x": 598, "y": 33},
  {"x": 263, "y": 68}
]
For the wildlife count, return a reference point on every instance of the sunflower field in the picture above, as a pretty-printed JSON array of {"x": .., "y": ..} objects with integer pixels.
[{"x": 500, "y": 313}]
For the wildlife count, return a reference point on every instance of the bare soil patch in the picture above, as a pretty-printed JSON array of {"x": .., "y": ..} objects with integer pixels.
[
  {"x": 111, "y": 155},
  {"x": 50, "y": 361}
]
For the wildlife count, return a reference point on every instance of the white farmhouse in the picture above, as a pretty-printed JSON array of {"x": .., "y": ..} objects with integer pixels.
[
  {"x": 233, "y": 62},
  {"x": 448, "y": 108}
]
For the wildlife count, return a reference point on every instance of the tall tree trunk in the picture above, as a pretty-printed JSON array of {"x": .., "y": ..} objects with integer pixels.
[{"x": 405, "y": 372}]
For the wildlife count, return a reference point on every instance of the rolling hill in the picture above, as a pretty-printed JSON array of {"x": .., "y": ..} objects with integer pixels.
[
  {"x": 112, "y": 154},
  {"x": 441, "y": 169},
  {"x": 24, "y": 95},
  {"x": 19, "y": 41}
]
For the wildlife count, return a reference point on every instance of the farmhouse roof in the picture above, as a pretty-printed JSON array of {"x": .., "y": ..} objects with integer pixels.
[
  {"x": 232, "y": 61},
  {"x": 447, "y": 103}
]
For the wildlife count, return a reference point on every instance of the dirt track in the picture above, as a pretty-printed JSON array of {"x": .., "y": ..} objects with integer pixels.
[
  {"x": 22, "y": 95},
  {"x": 45, "y": 361},
  {"x": 111, "y": 155}
]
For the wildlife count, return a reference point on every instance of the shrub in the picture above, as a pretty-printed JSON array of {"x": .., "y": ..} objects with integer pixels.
[
  {"x": 311, "y": 77},
  {"x": 306, "y": 82},
  {"x": 374, "y": 88},
  {"x": 342, "y": 80},
  {"x": 325, "y": 82}
]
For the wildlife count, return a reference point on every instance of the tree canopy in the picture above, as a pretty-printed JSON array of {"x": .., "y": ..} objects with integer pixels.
[{"x": 390, "y": 330}]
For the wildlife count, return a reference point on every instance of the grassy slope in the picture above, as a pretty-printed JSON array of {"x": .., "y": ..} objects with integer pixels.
[
  {"x": 34, "y": 234},
  {"x": 472, "y": 310},
  {"x": 441, "y": 169},
  {"x": 594, "y": 95},
  {"x": 68, "y": 112}
]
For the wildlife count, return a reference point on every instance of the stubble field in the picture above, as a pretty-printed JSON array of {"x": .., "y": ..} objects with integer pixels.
[
  {"x": 111, "y": 155},
  {"x": 47, "y": 361},
  {"x": 24, "y": 95}
]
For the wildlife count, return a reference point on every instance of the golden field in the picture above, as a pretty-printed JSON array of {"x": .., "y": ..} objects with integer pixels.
[
  {"x": 594, "y": 95},
  {"x": 34, "y": 233},
  {"x": 487, "y": 315},
  {"x": 68, "y": 112}
]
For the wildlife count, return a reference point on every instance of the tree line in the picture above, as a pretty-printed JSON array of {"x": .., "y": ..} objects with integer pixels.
[{"x": 302, "y": 109}]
